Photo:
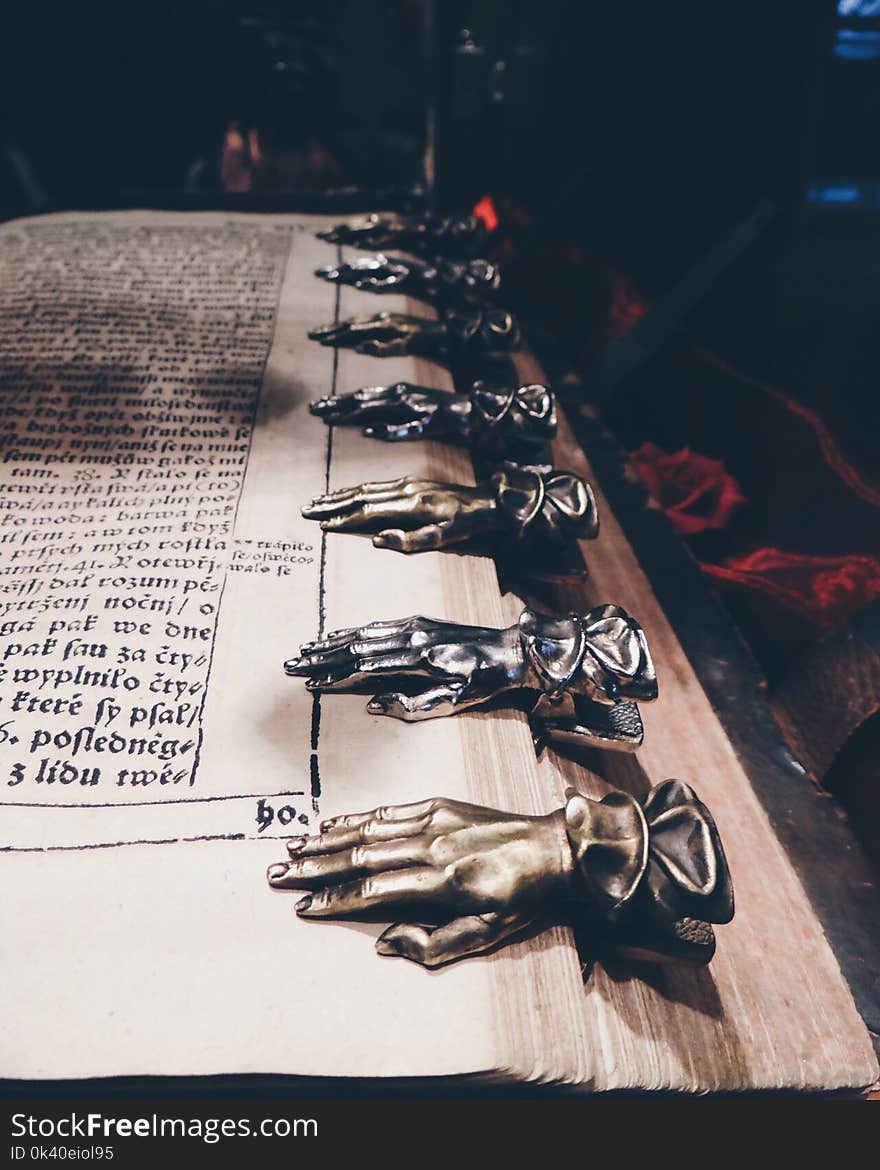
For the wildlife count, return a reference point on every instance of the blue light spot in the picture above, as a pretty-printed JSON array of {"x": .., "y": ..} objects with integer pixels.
[
  {"x": 852, "y": 45},
  {"x": 860, "y": 36},
  {"x": 866, "y": 9},
  {"x": 838, "y": 194}
]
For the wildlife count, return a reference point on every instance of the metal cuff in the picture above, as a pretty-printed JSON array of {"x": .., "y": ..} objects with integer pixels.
[
  {"x": 651, "y": 876},
  {"x": 603, "y": 655},
  {"x": 558, "y": 507},
  {"x": 484, "y": 330},
  {"x": 522, "y": 418}
]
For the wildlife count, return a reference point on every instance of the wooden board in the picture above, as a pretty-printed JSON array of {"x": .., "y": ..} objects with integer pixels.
[{"x": 773, "y": 1010}]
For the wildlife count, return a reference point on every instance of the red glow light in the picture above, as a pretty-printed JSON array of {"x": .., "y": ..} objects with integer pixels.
[{"x": 485, "y": 210}]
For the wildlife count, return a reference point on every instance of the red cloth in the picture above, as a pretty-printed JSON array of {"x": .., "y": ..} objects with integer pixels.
[
  {"x": 696, "y": 493},
  {"x": 699, "y": 495},
  {"x": 824, "y": 591}
]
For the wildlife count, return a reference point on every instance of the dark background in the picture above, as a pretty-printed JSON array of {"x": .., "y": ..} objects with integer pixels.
[
  {"x": 619, "y": 141},
  {"x": 613, "y": 135}
]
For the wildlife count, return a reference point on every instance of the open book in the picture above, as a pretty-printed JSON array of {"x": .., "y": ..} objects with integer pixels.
[{"x": 155, "y": 572}]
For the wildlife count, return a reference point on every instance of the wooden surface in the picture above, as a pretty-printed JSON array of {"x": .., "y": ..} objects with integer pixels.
[
  {"x": 813, "y": 829},
  {"x": 772, "y": 1011}
]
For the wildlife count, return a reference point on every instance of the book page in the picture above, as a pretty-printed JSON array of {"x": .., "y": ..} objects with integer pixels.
[{"x": 155, "y": 572}]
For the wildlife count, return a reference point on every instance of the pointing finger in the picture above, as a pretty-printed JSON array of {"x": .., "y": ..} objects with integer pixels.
[
  {"x": 384, "y": 892},
  {"x": 367, "y": 830},
  {"x": 393, "y": 813},
  {"x": 347, "y": 865}
]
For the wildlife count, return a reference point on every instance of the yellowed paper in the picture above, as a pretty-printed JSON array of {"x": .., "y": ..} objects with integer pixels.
[{"x": 123, "y": 954}]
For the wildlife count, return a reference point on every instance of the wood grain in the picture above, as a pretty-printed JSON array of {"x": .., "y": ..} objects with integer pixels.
[{"x": 773, "y": 1010}]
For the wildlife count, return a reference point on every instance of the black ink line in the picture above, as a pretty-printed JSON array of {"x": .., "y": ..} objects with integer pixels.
[
  {"x": 315, "y": 774},
  {"x": 314, "y": 765},
  {"x": 328, "y": 459},
  {"x": 148, "y": 803},
  {"x": 118, "y": 844},
  {"x": 145, "y": 841},
  {"x": 316, "y": 722}
]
